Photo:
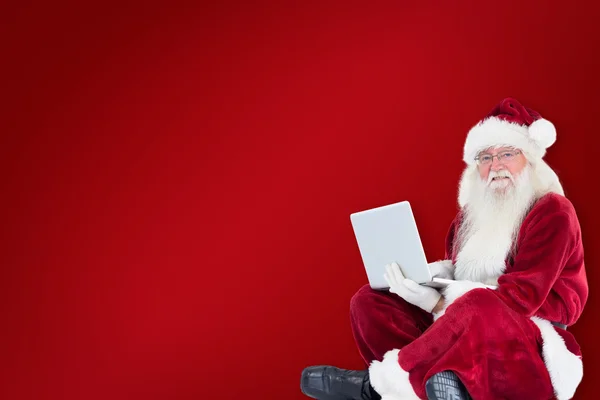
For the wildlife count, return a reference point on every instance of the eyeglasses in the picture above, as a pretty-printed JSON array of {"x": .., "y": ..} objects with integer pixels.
[{"x": 505, "y": 157}]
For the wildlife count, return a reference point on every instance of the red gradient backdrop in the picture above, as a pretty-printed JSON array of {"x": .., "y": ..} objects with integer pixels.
[{"x": 177, "y": 180}]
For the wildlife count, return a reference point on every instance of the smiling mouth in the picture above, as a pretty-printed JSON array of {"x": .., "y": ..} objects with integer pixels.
[{"x": 497, "y": 178}]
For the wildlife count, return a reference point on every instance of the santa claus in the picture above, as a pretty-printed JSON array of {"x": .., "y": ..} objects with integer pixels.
[{"x": 500, "y": 330}]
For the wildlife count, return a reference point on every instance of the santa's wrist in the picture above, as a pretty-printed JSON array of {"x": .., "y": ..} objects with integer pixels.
[
  {"x": 439, "y": 306},
  {"x": 433, "y": 301}
]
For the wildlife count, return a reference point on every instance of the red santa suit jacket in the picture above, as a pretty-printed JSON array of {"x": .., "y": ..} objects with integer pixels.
[
  {"x": 546, "y": 281},
  {"x": 546, "y": 277}
]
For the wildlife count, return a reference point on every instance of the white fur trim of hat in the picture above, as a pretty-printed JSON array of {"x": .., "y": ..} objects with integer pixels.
[{"x": 510, "y": 124}]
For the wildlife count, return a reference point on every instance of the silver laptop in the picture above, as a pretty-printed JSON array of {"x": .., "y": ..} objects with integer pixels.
[{"x": 389, "y": 234}]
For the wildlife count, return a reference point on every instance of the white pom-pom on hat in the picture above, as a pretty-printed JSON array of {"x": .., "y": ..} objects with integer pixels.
[{"x": 542, "y": 132}]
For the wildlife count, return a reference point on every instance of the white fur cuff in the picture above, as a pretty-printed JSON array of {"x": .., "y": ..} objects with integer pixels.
[
  {"x": 564, "y": 367},
  {"x": 390, "y": 380}
]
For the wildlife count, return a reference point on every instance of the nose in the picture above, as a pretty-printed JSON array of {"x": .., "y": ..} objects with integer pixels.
[{"x": 496, "y": 164}]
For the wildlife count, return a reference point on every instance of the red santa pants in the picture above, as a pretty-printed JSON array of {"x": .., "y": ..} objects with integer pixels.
[{"x": 495, "y": 351}]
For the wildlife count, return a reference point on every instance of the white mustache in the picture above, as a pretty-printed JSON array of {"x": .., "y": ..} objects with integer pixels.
[{"x": 499, "y": 174}]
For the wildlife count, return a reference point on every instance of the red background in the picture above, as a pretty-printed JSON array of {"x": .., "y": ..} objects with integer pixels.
[{"x": 178, "y": 179}]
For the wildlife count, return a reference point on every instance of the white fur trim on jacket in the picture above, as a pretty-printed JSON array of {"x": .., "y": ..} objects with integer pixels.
[
  {"x": 493, "y": 131},
  {"x": 454, "y": 290},
  {"x": 564, "y": 367},
  {"x": 390, "y": 380}
]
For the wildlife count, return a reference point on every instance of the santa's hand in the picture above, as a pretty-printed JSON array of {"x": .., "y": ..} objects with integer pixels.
[
  {"x": 442, "y": 269},
  {"x": 421, "y": 296}
]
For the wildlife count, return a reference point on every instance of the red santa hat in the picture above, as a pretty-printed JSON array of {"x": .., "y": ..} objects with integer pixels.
[{"x": 513, "y": 125}]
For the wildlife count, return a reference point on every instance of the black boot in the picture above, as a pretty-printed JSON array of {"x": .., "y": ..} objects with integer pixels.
[
  {"x": 446, "y": 386},
  {"x": 330, "y": 383}
]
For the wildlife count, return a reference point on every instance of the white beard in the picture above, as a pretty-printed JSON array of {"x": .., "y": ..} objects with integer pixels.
[{"x": 491, "y": 220}]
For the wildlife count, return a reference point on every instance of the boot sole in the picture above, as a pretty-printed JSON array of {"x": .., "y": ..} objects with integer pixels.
[{"x": 446, "y": 386}]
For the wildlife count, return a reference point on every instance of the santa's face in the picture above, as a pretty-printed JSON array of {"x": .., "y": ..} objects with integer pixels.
[
  {"x": 496, "y": 198},
  {"x": 499, "y": 167}
]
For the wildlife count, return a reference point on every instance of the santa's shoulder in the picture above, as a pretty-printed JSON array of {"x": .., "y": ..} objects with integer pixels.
[{"x": 553, "y": 204}]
